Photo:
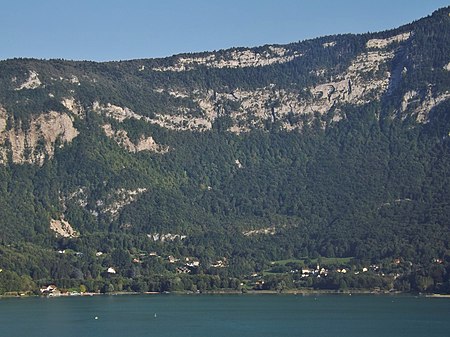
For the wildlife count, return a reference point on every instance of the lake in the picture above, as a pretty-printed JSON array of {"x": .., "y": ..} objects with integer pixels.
[{"x": 225, "y": 315}]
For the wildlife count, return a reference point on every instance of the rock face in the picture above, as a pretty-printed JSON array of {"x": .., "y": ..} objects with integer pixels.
[
  {"x": 383, "y": 43},
  {"x": 234, "y": 59},
  {"x": 116, "y": 200},
  {"x": 73, "y": 106},
  {"x": 174, "y": 122},
  {"x": 143, "y": 144},
  {"x": 32, "y": 82},
  {"x": 63, "y": 228},
  {"x": 414, "y": 104},
  {"x": 115, "y": 112},
  {"x": 36, "y": 141},
  {"x": 367, "y": 78}
]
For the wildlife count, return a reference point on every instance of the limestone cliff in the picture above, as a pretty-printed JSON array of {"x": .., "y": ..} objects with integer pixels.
[{"x": 34, "y": 142}]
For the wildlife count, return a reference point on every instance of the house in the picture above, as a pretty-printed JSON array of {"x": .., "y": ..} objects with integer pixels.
[
  {"x": 259, "y": 284},
  {"x": 193, "y": 264},
  {"x": 172, "y": 259},
  {"x": 220, "y": 263},
  {"x": 111, "y": 270},
  {"x": 51, "y": 291},
  {"x": 307, "y": 272},
  {"x": 54, "y": 293},
  {"x": 48, "y": 290}
]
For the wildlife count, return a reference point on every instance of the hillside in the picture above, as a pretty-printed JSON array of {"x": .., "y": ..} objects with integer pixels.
[{"x": 204, "y": 171}]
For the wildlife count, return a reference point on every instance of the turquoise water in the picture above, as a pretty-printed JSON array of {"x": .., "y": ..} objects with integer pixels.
[{"x": 225, "y": 315}]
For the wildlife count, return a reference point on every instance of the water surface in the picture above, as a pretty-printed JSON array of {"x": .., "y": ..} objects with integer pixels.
[{"x": 225, "y": 315}]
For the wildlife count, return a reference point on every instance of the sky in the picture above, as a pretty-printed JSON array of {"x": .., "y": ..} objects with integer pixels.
[{"x": 108, "y": 30}]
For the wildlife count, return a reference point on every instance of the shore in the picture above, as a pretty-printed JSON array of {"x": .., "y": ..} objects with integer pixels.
[
  {"x": 303, "y": 292},
  {"x": 300, "y": 292},
  {"x": 438, "y": 295}
]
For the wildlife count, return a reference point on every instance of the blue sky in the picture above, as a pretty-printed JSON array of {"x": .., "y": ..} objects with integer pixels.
[{"x": 102, "y": 30}]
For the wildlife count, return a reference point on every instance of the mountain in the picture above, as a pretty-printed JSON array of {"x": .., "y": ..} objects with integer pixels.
[{"x": 208, "y": 170}]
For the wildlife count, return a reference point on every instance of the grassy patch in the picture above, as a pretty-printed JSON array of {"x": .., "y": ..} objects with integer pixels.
[{"x": 322, "y": 260}]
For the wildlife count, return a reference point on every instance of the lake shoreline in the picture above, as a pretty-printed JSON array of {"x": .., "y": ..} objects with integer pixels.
[{"x": 295, "y": 292}]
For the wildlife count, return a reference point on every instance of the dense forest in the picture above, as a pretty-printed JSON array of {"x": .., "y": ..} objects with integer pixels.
[{"x": 356, "y": 202}]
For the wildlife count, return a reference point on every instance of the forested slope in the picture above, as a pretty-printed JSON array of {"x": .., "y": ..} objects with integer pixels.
[{"x": 201, "y": 171}]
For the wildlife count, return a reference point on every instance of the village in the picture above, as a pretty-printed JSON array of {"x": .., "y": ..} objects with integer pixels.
[{"x": 321, "y": 273}]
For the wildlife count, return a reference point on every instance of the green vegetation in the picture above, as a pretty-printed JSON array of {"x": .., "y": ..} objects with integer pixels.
[
  {"x": 370, "y": 191},
  {"x": 320, "y": 260}
]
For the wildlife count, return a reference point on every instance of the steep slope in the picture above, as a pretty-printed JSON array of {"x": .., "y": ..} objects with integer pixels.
[{"x": 337, "y": 146}]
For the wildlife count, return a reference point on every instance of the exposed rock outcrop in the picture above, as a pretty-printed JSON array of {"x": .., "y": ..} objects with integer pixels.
[
  {"x": 420, "y": 107},
  {"x": 33, "y": 143},
  {"x": 116, "y": 112},
  {"x": 143, "y": 144},
  {"x": 73, "y": 106},
  {"x": 32, "y": 82},
  {"x": 116, "y": 200},
  {"x": 234, "y": 59},
  {"x": 63, "y": 228},
  {"x": 427, "y": 104},
  {"x": 383, "y": 43},
  {"x": 366, "y": 78},
  {"x": 263, "y": 231}
]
